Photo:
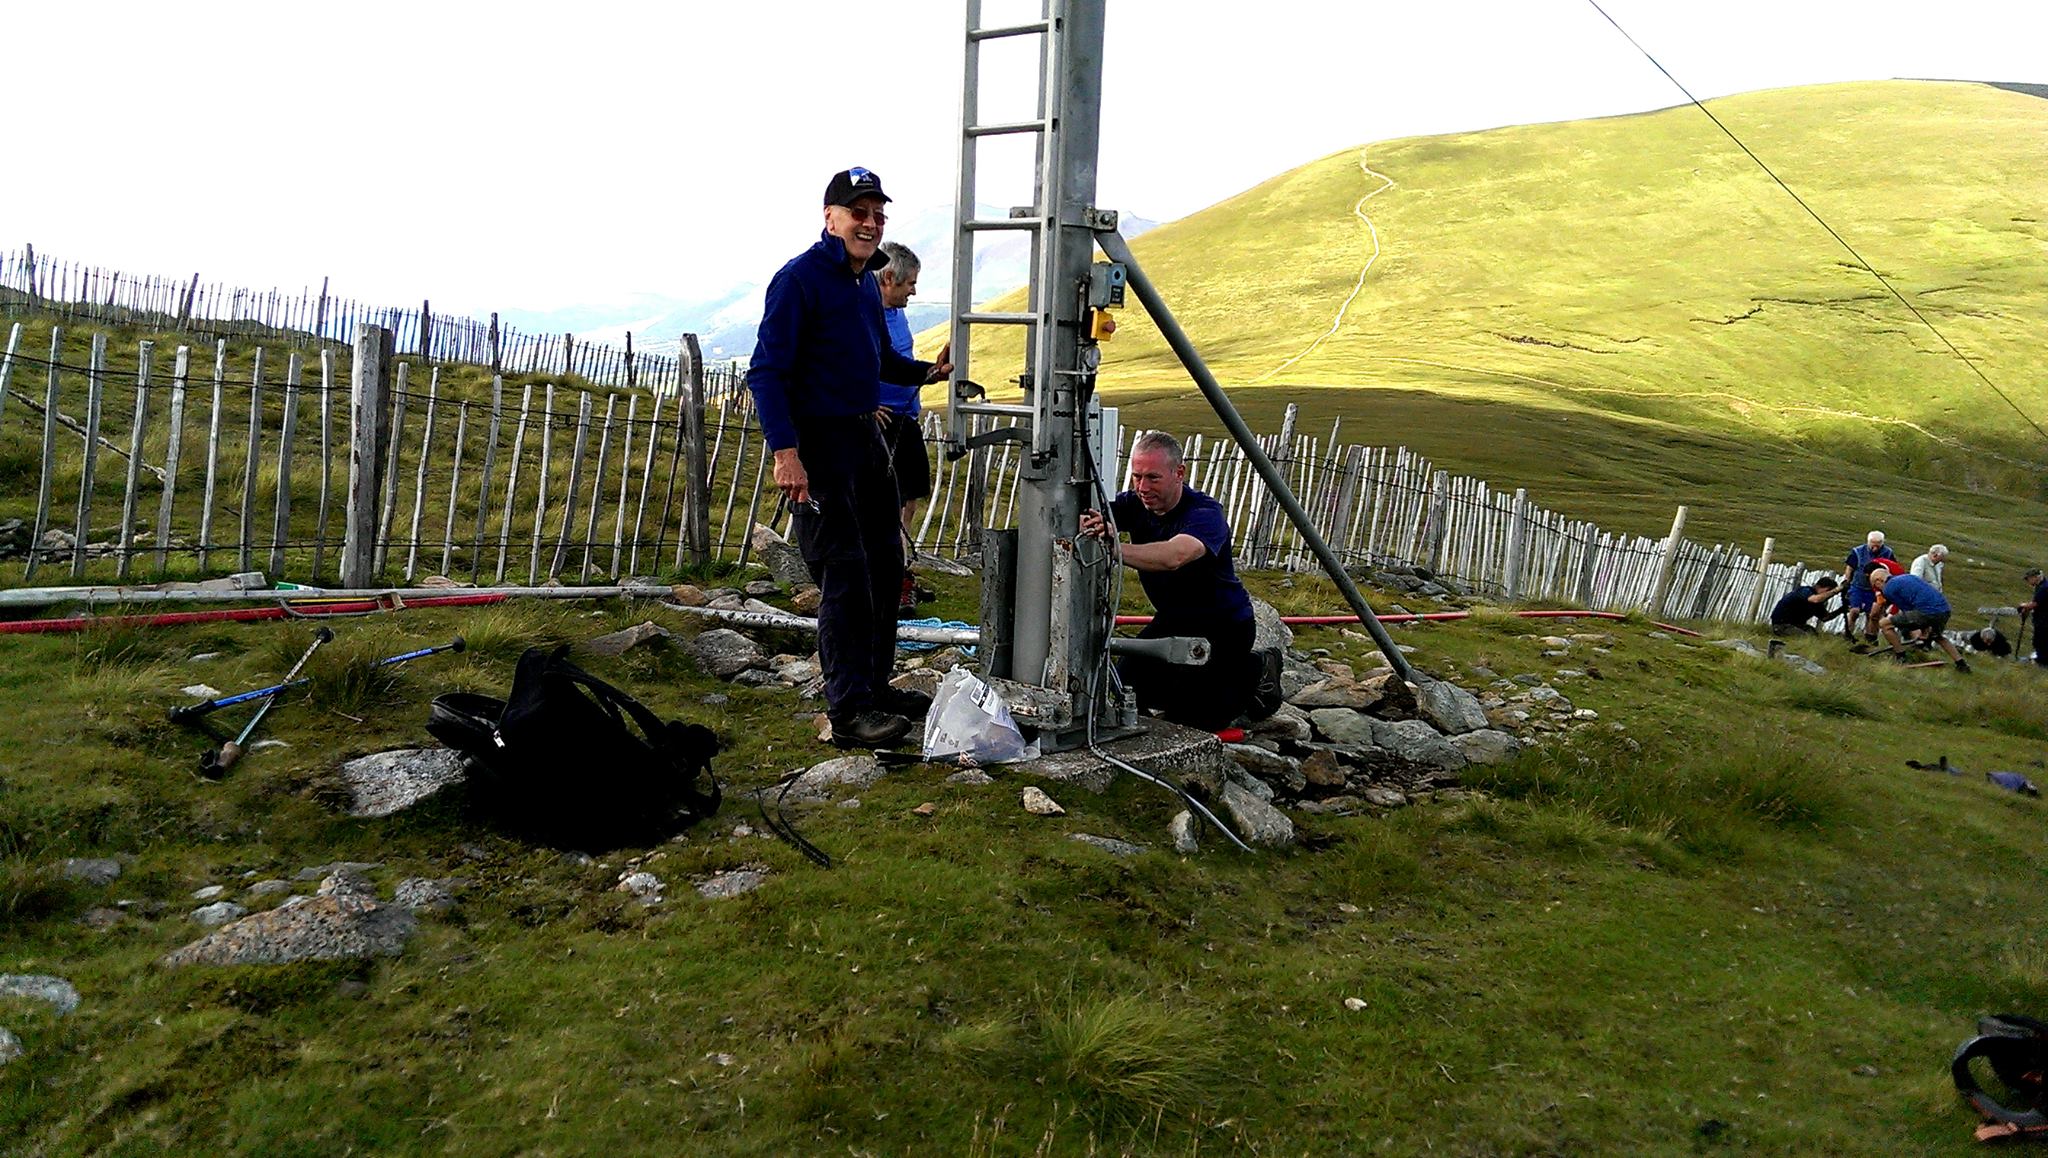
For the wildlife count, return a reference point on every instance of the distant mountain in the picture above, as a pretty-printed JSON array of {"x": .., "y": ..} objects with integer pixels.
[{"x": 724, "y": 321}]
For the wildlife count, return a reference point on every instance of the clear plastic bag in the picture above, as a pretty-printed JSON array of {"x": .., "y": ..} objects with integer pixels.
[{"x": 969, "y": 722}]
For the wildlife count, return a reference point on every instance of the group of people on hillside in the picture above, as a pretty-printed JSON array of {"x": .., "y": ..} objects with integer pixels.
[
  {"x": 1902, "y": 606},
  {"x": 836, "y": 386}
]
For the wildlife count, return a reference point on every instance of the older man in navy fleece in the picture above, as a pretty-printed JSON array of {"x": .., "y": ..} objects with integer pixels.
[{"x": 816, "y": 378}]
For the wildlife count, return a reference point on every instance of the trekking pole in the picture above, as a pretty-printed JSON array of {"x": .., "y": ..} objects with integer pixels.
[
  {"x": 214, "y": 764},
  {"x": 217, "y": 761},
  {"x": 190, "y": 712}
]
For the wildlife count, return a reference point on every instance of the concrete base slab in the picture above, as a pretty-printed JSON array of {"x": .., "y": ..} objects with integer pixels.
[{"x": 1178, "y": 755}]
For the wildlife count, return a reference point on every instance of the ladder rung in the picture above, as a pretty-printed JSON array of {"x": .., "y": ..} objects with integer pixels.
[
  {"x": 1005, "y": 223},
  {"x": 1012, "y": 409},
  {"x": 1009, "y": 128},
  {"x": 975, "y": 319},
  {"x": 1032, "y": 29}
]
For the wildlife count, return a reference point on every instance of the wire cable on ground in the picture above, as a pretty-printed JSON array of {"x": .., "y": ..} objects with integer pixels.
[{"x": 1839, "y": 239}]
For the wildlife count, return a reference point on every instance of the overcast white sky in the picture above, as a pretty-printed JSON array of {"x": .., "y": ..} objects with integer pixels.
[{"x": 501, "y": 155}]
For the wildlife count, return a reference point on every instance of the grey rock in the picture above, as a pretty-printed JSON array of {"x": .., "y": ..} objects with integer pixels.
[
  {"x": 725, "y": 653},
  {"x": 322, "y": 871},
  {"x": 60, "y": 994},
  {"x": 761, "y": 588},
  {"x": 1380, "y": 796},
  {"x": 97, "y": 870},
  {"x": 1802, "y": 663},
  {"x": 1268, "y": 766},
  {"x": 1487, "y": 747},
  {"x": 972, "y": 777},
  {"x": 731, "y": 884},
  {"x": 644, "y": 887},
  {"x": 329, "y": 927},
  {"x": 1258, "y": 822},
  {"x": 945, "y": 659},
  {"x": 1549, "y": 696},
  {"x": 423, "y": 895},
  {"x": 218, "y": 913},
  {"x": 269, "y": 888},
  {"x": 347, "y": 881},
  {"x": 1269, "y": 630},
  {"x": 1037, "y": 803},
  {"x": 384, "y": 783},
  {"x": 802, "y": 671},
  {"x": 1252, "y": 784},
  {"x": 821, "y": 780},
  {"x": 10, "y": 1046},
  {"x": 1287, "y": 723},
  {"x": 1342, "y": 726},
  {"x": 760, "y": 608},
  {"x": 1741, "y": 645},
  {"x": 781, "y": 558},
  {"x": 1108, "y": 844},
  {"x": 1659, "y": 635},
  {"x": 209, "y": 893},
  {"x": 1527, "y": 679},
  {"x": 1569, "y": 673},
  {"x": 1185, "y": 833},
  {"x": 1450, "y": 707},
  {"x": 101, "y": 917},
  {"x": 201, "y": 691},
  {"x": 620, "y": 642},
  {"x": 1334, "y": 692},
  {"x": 1297, "y": 677},
  {"x": 755, "y": 677},
  {"x": 1415, "y": 742},
  {"x": 850, "y": 803}
]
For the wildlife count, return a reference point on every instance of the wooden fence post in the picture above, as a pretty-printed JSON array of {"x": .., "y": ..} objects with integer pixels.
[
  {"x": 1664, "y": 562},
  {"x": 1518, "y": 537},
  {"x": 697, "y": 487},
  {"x": 96, "y": 388},
  {"x": 369, "y": 390},
  {"x": 49, "y": 474},
  {"x": 134, "y": 480},
  {"x": 174, "y": 447},
  {"x": 1756, "y": 591},
  {"x": 287, "y": 431}
]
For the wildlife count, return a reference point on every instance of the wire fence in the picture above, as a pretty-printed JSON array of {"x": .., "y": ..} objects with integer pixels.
[
  {"x": 236, "y": 456},
  {"x": 77, "y": 293}
]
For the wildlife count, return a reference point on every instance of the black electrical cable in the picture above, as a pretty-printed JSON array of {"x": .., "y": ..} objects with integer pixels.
[{"x": 1839, "y": 239}]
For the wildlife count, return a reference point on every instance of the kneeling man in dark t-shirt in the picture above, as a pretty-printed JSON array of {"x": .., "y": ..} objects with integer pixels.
[{"x": 1180, "y": 548}]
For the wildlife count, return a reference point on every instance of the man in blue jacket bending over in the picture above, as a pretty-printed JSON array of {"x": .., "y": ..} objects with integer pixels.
[
  {"x": 1921, "y": 609},
  {"x": 1180, "y": 548},
  {"x": 816, "y": 378}
]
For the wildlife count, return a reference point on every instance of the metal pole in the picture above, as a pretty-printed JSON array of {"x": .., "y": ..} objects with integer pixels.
[{"x": 1113, "y": 244}]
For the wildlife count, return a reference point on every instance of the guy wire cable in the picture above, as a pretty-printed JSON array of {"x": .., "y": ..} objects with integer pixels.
[{"x": 1839, "y": 239}]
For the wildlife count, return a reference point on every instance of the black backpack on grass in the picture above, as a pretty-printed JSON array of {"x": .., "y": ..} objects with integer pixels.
[
  {"x": 571, "y": 761},
  {"x": 2009, "y": 1055}
]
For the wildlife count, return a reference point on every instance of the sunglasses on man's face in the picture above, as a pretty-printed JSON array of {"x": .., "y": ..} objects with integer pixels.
[{"x": 863, "y": 214}]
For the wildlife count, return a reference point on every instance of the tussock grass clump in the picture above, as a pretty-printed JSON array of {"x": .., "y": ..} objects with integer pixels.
[
  {"x": 347, "y": 677},
  {"x": 1125, "y": 1059},
  {"x": 1828, "y": 698},
  {"x": 1700, "y": 796},
  {"x": 2007, "y": 707},
  {"x": 123, "y": 645}
]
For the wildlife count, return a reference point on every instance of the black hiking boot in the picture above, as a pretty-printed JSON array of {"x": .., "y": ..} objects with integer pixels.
[
  {"x": 869, "y": 730},
  {"x": 1963, "y": 666}
]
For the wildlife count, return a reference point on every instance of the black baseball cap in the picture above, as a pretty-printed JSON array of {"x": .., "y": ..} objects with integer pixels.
[{"x": 850, "y": 185}]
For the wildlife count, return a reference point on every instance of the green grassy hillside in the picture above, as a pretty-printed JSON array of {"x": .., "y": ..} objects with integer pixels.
[
  {"x": 1626, "y": 314},
  {"x": 1665, "y": 940}
]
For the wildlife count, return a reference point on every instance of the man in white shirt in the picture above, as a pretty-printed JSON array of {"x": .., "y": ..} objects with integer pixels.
[{"x": 1927, "y": 568}]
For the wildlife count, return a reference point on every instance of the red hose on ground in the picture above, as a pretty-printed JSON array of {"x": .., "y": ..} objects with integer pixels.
[
  {"x": 1428, "y": 617},
  {"x": 307, "y": 608}
]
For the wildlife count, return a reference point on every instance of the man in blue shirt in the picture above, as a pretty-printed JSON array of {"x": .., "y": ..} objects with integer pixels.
[
  {"x": 1180, "y": 548},
  {"x": 1921, "y": 612},
  {"x": 898, "y": 282},
  {"x": 816, "y": 375},
  {"x": 1855, "y": 569}
]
